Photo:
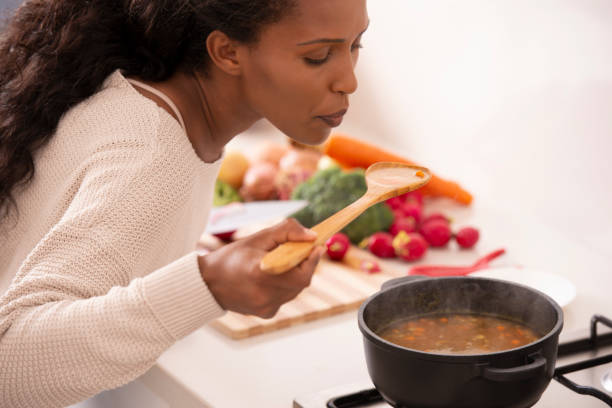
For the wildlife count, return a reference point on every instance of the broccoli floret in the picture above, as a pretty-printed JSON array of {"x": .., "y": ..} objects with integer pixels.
[
  {"x": 224, "y": 194},
  {"x": 330, "y": 190},
  {"x": 316, "y": 184},
  {"x": 376, "y": 218}
]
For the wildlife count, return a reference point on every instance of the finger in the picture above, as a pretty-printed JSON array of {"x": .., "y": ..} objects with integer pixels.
[
  {"x": 290, "y": 285},
  {"x": 288, "y": 230},
  {"x": 313, "y": 260},
  {"x": 301, "y": 275}
]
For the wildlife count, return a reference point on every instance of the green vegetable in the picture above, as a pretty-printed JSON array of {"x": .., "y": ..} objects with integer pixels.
[
  {"x": 224, "y": 194},
  {"x": 330, "y": 190}
]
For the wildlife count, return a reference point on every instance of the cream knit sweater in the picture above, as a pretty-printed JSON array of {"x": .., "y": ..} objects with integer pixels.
[{"x": 101, "y": 258}]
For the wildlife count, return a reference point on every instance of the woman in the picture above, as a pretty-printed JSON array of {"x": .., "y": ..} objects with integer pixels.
[{"x": 113, "y": 119}]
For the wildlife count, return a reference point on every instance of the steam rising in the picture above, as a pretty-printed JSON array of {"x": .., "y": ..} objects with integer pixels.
[{"x": 461, "y": 295}]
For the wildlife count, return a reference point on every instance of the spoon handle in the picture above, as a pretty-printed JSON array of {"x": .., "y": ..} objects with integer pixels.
[
  {"x": 290, "y": 254},
  {"x": 334, "y": 223}
]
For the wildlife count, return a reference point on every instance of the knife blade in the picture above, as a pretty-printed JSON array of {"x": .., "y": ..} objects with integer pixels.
[{"x": 230, "y": 217}]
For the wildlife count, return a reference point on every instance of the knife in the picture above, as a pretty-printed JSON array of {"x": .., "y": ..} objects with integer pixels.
[{"x": 230, "y": 217}]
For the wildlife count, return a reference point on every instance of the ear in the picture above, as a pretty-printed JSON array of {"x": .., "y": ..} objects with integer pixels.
[{"x": 223, "y": 52}]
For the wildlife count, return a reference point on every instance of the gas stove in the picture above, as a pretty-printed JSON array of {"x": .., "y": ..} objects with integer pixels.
[{"x": 583, "y": 376}]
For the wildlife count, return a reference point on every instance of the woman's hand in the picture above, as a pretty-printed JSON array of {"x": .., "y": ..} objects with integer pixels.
[{"x": 233, "y": 276}]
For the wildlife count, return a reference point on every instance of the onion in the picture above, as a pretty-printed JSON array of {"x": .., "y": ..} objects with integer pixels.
[
  {"x": 270, "y": 152},
  {"x": 287, "y": 180},
  {"x": 258, "y": 183},
  {"x": 305, "y": 159}
]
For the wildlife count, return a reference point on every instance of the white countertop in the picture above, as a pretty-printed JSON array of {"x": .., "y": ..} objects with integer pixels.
[{"x": 271, "y": 370}]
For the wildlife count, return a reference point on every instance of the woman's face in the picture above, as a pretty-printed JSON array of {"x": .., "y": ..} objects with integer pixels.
[{"x": 300, "y": 73}]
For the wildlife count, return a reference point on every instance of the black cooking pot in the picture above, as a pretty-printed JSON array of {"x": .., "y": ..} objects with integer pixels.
[{"x": 514, "y": 378}]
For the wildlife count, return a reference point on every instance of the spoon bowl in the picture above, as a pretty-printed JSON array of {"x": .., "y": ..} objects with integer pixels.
[
  {"x": 389, "y": 179},
  {"x": 384, "y": 180}
]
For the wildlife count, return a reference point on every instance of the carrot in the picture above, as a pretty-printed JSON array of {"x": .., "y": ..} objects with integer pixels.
[{"x": 350, "y": 152}]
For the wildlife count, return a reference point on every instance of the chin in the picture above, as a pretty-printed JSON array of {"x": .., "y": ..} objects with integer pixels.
[{"x": 310, "y": 137}]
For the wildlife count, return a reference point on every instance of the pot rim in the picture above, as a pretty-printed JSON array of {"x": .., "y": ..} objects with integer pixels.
[{"x": 459, "y": 358}]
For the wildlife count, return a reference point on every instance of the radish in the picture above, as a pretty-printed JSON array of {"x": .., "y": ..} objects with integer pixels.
[
  {"x": 337, "y": 245},
  {"x": 406, "y": 224},
  {"x": 467, "y": 237},
  {"x": 436, "y": 232},
  {"x": 436, "y": 216},
  {"x": 395, "y": 202},
  {"x": 414, "y": 197},
  {"x": 381, "y": 245},
  {"x": 412, "y": 209},
  {"x": 409, "y": 246}
]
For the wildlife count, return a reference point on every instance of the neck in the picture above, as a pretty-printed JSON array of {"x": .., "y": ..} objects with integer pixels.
[{"x": 213, "y": 108}]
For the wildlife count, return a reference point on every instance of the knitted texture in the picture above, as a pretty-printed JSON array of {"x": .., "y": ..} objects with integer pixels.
[{"x": 99, "y": 267}]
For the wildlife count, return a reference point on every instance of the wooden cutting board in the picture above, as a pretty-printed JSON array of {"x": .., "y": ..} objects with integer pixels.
[{"x": 335, "y": 288}]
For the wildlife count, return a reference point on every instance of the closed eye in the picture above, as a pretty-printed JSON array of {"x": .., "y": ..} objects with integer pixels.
[{"x": 320, "y": 61}]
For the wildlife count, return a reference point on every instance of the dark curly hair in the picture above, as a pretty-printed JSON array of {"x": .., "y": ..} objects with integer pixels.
[{"x": 56, "y": 53}]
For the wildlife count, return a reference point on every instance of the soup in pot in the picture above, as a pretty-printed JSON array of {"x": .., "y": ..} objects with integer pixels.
[{"x": 457, "y": 333}]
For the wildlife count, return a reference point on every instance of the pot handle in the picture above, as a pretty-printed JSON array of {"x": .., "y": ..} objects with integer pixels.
[
  {"x": 536, "y": 367},
  {"x": 398, "y": 281}
]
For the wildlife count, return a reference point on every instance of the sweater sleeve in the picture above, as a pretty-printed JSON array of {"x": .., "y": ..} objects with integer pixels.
[{"x": 74, "y": 322}]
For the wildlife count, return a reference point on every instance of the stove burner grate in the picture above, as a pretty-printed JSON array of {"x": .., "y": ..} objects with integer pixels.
[{"x": 591, "y": 343}]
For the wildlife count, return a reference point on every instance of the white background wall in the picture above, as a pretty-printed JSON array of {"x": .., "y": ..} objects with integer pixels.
[
  {"x": 517, "y": 90},
  {"x": 520, "y": 90},
  {"x": 8, "y": 5}
]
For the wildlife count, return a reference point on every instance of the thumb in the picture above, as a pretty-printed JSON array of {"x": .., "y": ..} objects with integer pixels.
[{"x": 288, "y": 230}]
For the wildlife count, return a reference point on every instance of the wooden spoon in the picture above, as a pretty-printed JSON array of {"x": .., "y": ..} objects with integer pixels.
[{"x": 384, "y": 180}]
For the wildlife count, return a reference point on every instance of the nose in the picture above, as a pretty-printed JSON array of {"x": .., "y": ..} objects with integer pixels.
[{"x": 345, "y": 81}]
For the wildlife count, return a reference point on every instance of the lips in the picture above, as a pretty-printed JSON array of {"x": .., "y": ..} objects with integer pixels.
[{"x": 333, "y": 120}]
